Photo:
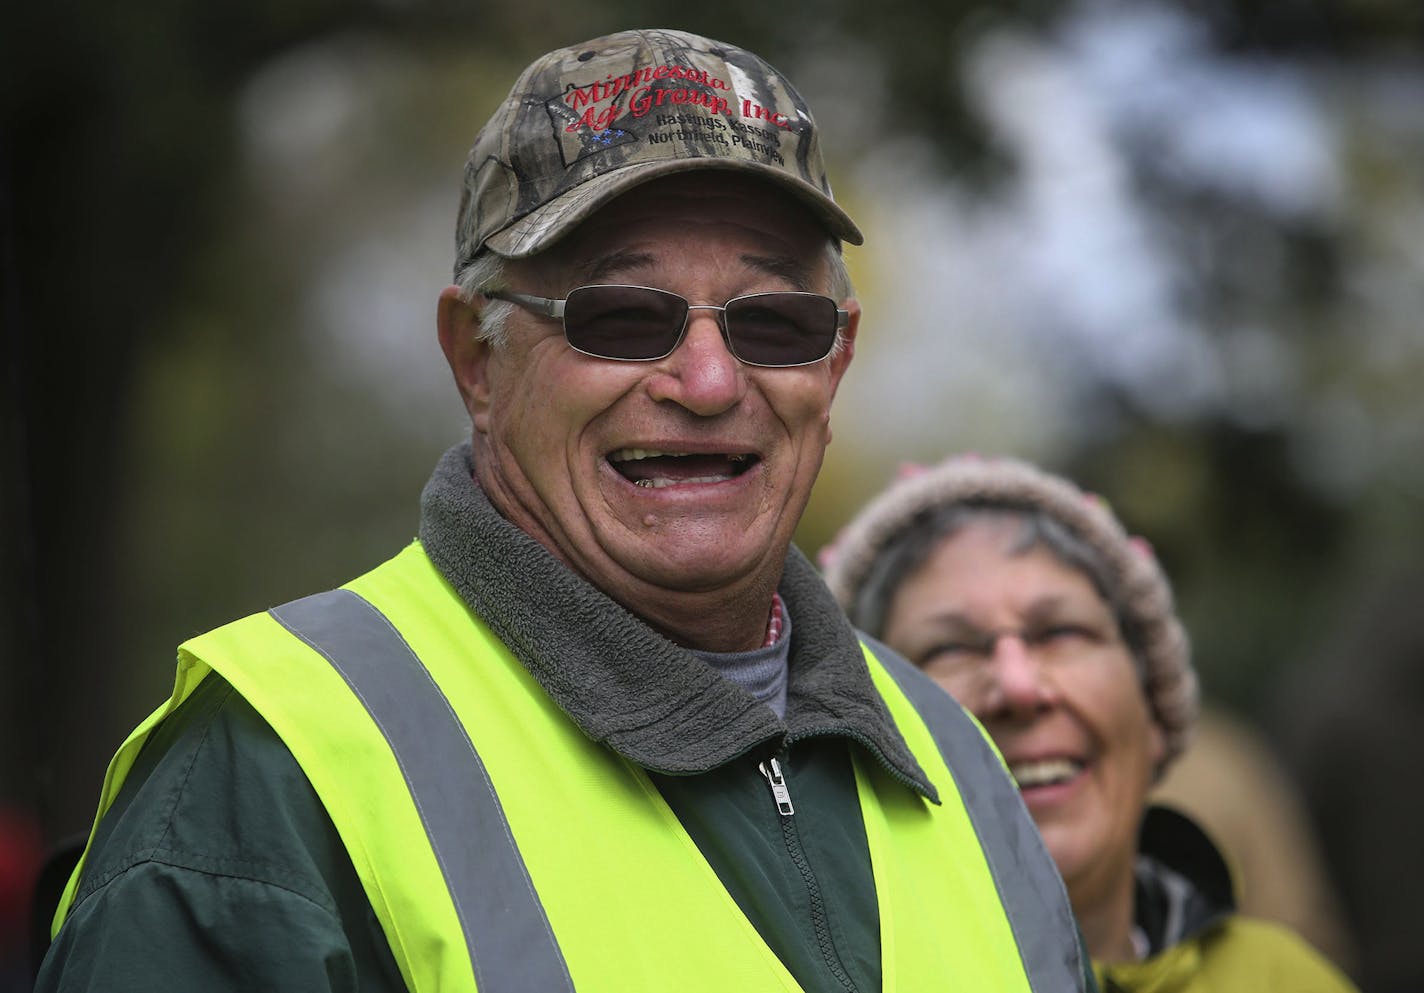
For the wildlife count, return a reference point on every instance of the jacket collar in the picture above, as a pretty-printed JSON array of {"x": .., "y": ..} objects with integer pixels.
[
  {"x": 623, "y": 683},
  {"x": 1183, "y": 885}
]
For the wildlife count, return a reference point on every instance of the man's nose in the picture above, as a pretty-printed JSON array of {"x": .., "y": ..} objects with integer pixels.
[{"x": 701, "y": 374}]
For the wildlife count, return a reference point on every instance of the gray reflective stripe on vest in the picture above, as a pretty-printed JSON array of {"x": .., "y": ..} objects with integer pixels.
[
  {"x": 1029, "y": 886},
  {"x": 511, "y": 945}
]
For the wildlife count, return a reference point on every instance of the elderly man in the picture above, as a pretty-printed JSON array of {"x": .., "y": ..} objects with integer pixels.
[{"x": 601, "y": 727}]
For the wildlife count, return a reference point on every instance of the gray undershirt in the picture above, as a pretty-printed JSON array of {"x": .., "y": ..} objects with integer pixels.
[{"x": 761, "y": 671}]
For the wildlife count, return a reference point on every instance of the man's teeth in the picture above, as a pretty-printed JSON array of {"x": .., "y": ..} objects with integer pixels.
[
  {"x": 657, "y": 484},
  {"x": 638, "y": 454},
  {"x": 1044, "y": 772}
]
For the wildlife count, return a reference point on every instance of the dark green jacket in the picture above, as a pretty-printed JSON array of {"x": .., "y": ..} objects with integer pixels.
[{"x": 219, "y": 862}]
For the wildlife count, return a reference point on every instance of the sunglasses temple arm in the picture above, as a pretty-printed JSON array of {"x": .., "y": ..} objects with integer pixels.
[{"x": 540, "y": 305}]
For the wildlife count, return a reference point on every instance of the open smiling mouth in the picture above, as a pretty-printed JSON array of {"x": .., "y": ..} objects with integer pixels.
[
  {"x": 654, "y": 469},
  {"x": 1044, "y": 772}
]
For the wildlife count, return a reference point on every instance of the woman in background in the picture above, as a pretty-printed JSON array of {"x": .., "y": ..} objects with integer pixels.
[{"x": 1024, "y": 598}]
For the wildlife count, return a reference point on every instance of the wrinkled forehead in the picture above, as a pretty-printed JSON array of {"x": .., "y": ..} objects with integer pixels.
[
  {"x": 699, "y": 215},
  {"x": 705, "y": 196}
]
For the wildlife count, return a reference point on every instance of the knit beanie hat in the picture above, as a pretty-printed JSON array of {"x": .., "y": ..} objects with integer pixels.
[{"x": 1136, "y": 582}]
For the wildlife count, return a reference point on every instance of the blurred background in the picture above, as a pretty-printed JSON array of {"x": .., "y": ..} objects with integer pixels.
[{"x": 1175, "y": 251}]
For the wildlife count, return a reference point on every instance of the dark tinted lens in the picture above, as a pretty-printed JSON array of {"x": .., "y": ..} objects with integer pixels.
[
  {"x": 624, "y": 322},
  {"x": 781, "y": 328}
]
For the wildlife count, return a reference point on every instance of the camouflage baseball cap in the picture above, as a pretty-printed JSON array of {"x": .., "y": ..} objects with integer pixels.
[{"x": 585, "y": 124}]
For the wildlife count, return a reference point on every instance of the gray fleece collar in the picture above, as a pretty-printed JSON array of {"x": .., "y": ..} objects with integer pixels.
[{"x": 624, "y": 684}]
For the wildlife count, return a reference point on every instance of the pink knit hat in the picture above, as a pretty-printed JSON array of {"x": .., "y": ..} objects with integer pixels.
[{"x": 1137, "y": 583}]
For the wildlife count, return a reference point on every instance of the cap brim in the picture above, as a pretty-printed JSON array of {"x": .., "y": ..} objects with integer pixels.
[{"x": 546, "y": 224}]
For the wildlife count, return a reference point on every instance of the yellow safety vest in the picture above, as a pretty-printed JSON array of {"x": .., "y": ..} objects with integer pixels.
[{"x": 503, "y": 851}]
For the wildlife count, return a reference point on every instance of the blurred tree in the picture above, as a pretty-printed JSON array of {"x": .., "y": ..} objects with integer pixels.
[{"x": 117, "y": 149}]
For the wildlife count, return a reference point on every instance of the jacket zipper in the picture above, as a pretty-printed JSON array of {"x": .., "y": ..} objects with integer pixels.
[
  {"x": 781, "y": 794},
  {"x": 771, "y": 769}
]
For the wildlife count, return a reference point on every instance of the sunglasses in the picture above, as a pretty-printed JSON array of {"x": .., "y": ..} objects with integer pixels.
[{"x": 641, "y": 324}]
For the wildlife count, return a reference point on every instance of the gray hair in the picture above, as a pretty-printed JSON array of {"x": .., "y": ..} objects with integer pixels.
[
  {"x": 910, "y": 548},
  {"x": 487, "y": 273}
]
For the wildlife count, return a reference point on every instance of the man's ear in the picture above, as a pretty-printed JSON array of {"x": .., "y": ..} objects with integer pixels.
[
  {"x": 841, "y": 356},
  {"x": 458, "y": 321},
  {"x": 845, "y": 351}
]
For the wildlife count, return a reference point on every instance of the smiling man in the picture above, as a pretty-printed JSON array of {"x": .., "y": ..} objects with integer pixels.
[
  {"x": 602, "y": 727},
  {"x": 672, "y": 484}
]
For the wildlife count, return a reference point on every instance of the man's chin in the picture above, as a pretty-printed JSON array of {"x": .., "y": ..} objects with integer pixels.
[{"x": 698, "y": 564}]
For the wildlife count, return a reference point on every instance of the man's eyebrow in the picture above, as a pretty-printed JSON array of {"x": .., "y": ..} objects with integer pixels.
[
  {"x": 607, "y": 268},
  {"x": 604, "y": 268},
  {"x": 794, "y": 271}
]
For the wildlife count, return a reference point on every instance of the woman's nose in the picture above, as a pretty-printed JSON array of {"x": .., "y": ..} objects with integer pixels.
[{"x": 1019, "y": 683}]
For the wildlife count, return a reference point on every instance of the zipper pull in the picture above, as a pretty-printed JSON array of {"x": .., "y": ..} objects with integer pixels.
[{"x": 771, "y": 769}]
